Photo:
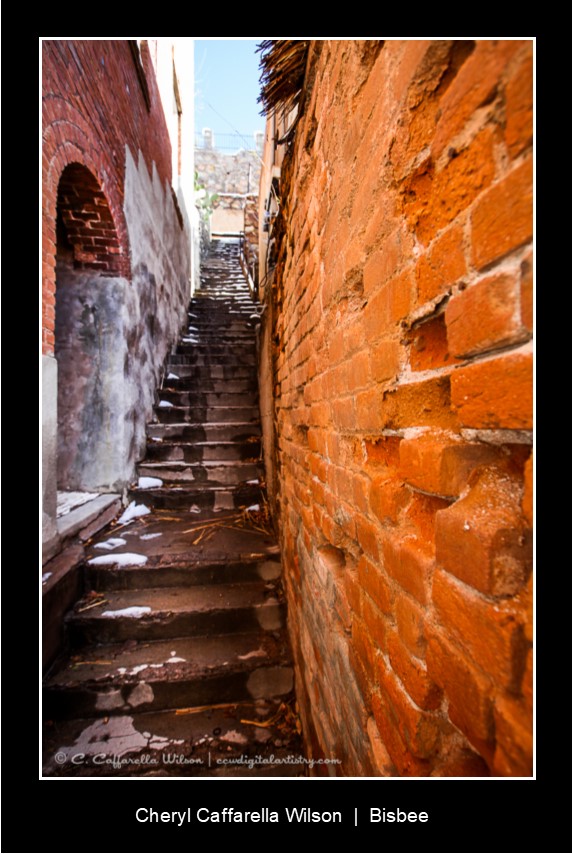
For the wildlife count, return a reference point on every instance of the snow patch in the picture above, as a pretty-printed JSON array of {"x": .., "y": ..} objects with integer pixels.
[
  {"x": 195, "y": 509},
  {"x": 125, "y": 559},
  {"x": 253, "y": 507},
  {"x": 135, "y": 611},
  {"x": 171, "y": 376},
  {"x": 149, "y": 536},
  {"x": 132, "y": 512},
  {"x": 175, "y": 659},
  {"x": 149, "y": 482},
  {"x": 165, "y": 404},
  {"x": 253, "y": 481},
  {"x": 45, "y": 577},
  {"x": 113, "y": 543}
]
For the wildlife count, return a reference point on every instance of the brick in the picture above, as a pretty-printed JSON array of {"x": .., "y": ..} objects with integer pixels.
[
  {"x": 468, "y": 692},
  {"x": 413, "y": 674},
  {"x": 383, "y": 450},
  {"x": 375, "y": 583},
  {"x": 347, "y": 412},
  {"x": 358, "y": 371},
  {"x": 441, "y": 463},
  {"x": 382, "y": 264},
  {"x": 388, "y": 306},
  {"x": 482, "y": 538},
  {"x": 485, "y": 316},
  {"x": 474, "y": 86},
  {"x": 501, "y": 220},
  {"x": 407, "y": 561},
  {"x": 526, "y": 293},
  {"x": 428, "y": 345},
  {"x": 491, "y": 634},
  {"x": 384, "y": 360},
  {"x": 376, "y": 623},
  {"x": 410, "y": 624},
  {"x": 382, "y": 763},
  {"x": 513, "y": 754},
  {"x": 420, "y": 404},
  {"x": 434, "y": 197},
  {"x": 368, "y": 537},
  {"x": 387, "y": 498},
  {"x": 368, "y": 415},
  {"x": 405, "y": 762},
  {"x": 418, "y": 728},
  {"x": 518, "y": 108},
  {"x": 528, "y": 494},
  {"x": 364, "y": 648},
  {"x": 496, "y": 393}
]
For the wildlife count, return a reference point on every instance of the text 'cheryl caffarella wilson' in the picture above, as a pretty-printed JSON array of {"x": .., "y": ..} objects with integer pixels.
[{"x": 291, "y": 815}]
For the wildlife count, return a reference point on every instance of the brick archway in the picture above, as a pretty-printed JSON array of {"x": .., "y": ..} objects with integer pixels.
[{"x": 84, "y": 213}]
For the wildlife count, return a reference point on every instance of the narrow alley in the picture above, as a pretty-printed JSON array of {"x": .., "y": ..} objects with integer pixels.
[
  {"x": 179, "y": 661},
  {"x": 288, "y": 409}
]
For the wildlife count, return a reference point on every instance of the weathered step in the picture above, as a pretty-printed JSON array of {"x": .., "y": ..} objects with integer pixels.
[
  {"x": 206, "y": 359},
  {"x": 231, "y": 431},
  {"x": 209, "y": 743},
  {"x": 206, "y": 415},
  {"x": 214, "y": 472},
  {"x": 173, "y": 572},
  {"x": 218, "y": 386},
  {"x": 205, "y": 497},
  {"x": 210, "y": 372},
  {"x": 245, "y": 348},
  {"x": 169, "y": 674},
  {"x": 206, "y": 399},
  {"x": 196, "y": 452},
  {"x": 175, "y": 612}
]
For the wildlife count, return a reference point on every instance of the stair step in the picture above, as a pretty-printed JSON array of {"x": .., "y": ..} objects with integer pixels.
[
  {"x": 209, "y": 373},
  {"x": 196, "y": 452},
  {"x": 170, "y": 674},
  {"x": 231, "y": 431},
  {"x": 207, "y": 497},
  {"x": 209, "y": 743},
  {"x": 208, "y": 385},
  {"x": 205, "y": 399},
  {"x": 206, "y": 415},
  {"x": 170, "y": 572},
  {"x": 175, "y": 612},
  {"x": 214, "y": 472},
  {"x": 207, "y": 359}
]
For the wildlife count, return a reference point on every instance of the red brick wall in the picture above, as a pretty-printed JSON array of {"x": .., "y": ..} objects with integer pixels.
[
  {"x": 93, "y": 106},
  {"x": 403, "y": 373}
]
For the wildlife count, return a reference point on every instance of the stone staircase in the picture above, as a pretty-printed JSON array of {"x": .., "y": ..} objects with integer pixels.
[{"x": 179, "y": 662}]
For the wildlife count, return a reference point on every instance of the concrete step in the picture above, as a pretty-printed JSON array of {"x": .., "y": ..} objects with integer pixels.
[
  {"x": 211, "y": 742},
  {"x": 218, "y": 386},
  {"x": 231, "y": 431},
  {"x": 220, "y": 348},
  {"x": 180, "y": 570},
  {"x": 206, "y": 497},
  {"x": 196, "y": 452},
  {"x": 207, "y": 359},
  {"x": 206, "y": 415},
  {"x": 213, "y": 472},
  {"x": 169, "y": 674},
  {"x": 206, "y": 373},
  {"x": 205, "y": 399},
  {"x": 176, "y": 612}
]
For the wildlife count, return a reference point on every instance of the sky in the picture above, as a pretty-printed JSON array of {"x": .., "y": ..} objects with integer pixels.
[{"x": 227, "y": 86}]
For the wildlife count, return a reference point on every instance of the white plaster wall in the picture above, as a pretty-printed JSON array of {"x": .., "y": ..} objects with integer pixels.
[
  {"x": 160, "y": 291},
  {"x": 49, "y": 452}
]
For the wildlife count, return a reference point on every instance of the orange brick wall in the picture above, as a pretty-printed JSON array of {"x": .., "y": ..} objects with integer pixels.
[{"x": 402, "y": 365}]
